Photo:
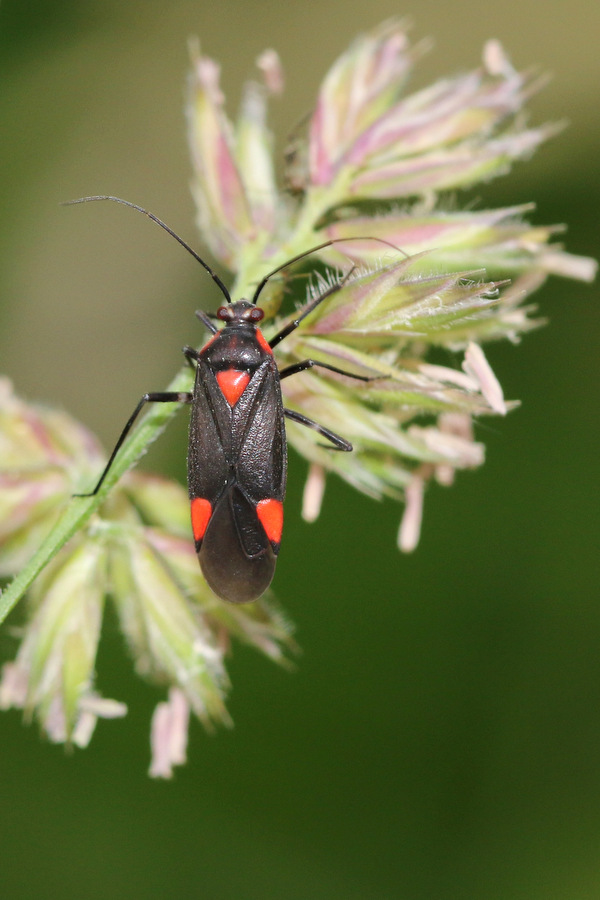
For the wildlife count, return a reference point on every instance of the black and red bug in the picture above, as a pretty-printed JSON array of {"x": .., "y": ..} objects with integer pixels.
[{"x": 237, "y": 455}]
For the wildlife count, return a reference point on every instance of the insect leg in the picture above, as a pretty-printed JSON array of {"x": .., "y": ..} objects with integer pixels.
[
  {"x": 160, "y": 397},
  {"x": 205, "y": 319},
  {"x": 309, "y": 363},
  {"x": 291, "y": 326},
  {"x": 191, "y": 355},
  {"x": 338, "y": 442}
]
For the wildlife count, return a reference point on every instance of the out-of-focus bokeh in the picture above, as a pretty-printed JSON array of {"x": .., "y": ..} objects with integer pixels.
[{"x": 440, "y": 737}]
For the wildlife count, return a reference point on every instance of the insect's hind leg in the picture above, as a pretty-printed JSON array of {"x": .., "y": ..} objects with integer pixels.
[
  {"x": 339, "y": 443},
  {"x": 155, "y": 397}
]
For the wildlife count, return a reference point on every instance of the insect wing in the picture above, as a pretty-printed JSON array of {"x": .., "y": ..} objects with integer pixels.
[
  {"x": 234, "y": 533},
  {"x": 237, "y": 473},
  {"x": 210, "y": 438},
  {"x": 259, "y": 437}
]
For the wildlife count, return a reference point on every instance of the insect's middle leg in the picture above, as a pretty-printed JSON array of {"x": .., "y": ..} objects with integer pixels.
[
  {"x": 155, "y": 397},
  {"x": 309, "y": 363},
  {"x": 192, "y": 356}
]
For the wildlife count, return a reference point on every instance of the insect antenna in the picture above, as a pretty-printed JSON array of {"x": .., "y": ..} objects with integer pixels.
[
  {"x": 162, "y": 224},
  {"x": 294, "y": 259}
]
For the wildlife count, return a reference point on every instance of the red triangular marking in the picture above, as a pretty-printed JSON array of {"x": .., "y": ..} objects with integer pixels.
[
  {"x": 270, "y": 513},
  {"x": 201, "y": 513},
  {"x": 233, "y": 384}
]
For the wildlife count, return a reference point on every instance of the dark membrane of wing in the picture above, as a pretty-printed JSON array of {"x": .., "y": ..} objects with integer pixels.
[{"x": 236, "y": 557}]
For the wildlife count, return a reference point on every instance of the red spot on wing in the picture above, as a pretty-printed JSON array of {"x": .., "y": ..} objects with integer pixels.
[
  {"x": 201, "y": 513},
  {"x": 263, "y": 341},
  {"x": 270, "y": 513},
  {"x": 233, "y": 384}
]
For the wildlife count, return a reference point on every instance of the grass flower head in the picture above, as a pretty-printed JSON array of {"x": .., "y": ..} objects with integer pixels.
[{"x": 401, "y": 272}]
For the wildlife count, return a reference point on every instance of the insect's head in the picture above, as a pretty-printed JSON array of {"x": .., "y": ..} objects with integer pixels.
[{"x": 241, "y": 311}]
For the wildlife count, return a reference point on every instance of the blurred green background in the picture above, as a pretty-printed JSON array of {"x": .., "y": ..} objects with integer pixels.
[{"x": 441, "y": 735}]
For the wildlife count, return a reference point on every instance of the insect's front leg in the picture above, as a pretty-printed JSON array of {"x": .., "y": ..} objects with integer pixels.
[
  {"x": 155, "y": 397},
  {"x": 291, "y": 326},
  {"x": 206, "y": 321}
]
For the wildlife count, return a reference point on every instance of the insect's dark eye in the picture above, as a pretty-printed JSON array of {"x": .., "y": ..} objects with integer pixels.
[
  {"x": 224, "y": 313},
  {"x": 256, "y": 314}
]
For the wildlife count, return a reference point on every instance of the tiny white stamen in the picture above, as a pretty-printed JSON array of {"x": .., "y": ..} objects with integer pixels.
[
  {"x": 13, "y": 686},
  {"x": 314, "y": 489},
  {"x": 410, "y": 526},
  {"x": 476, "y": 364},
  {"x": 169, "y": 734},
  {"x": 451, "y": 376},
  {"x": 270, "y": 65},
  {"x": 84, "y": 729},
  {"x": 495, "y": 59},
  {"x": 103, "y": 707},
  {"x": 570, "y": 266}
]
